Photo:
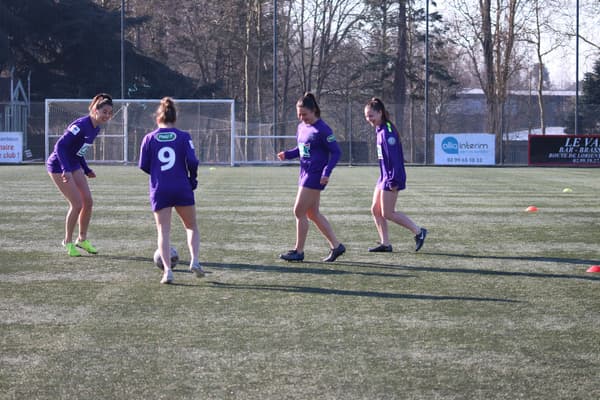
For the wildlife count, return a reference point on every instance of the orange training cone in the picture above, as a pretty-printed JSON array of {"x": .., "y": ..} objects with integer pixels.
[
  {"x": 531, "y": 209},
  {"x": 594, "y": 268}
]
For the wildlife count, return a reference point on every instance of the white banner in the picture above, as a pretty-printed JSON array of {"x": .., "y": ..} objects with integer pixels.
[
  {"x": 11, "y": 147},
  {"x": 465, "y": 149}
]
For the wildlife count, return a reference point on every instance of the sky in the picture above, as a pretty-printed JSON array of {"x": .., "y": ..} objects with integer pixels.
[{"x": 561, "y": 63}]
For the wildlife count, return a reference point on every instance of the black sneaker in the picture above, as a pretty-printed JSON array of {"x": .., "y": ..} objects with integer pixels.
[
  {"x": 335, "y": 253},
  {"x": 292, "y": 255},
  {"x": 382, "y": 248},
  {"x": 420, "y": 239}
]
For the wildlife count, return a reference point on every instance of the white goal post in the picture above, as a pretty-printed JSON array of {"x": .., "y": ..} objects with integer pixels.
[{"x": 211, "y": 123}]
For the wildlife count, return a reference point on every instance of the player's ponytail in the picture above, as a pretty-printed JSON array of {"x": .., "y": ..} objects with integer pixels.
[
  {"x": 100, "y": 100},
  {"x": 309, "y": 102},
  {"x": 377, "y": 105},
  {"x": 166, "y": 112}
]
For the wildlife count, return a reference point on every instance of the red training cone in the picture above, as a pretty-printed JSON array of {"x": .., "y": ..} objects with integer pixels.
[
  {"x": 531, "y": 209},
  {"x": 594, "y": 268}
]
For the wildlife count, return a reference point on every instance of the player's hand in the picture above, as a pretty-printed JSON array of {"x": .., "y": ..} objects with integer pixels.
[
  {"x": 281, "y": 156},
  {"x": 194, "y": 183},
  {"x": 324, "y": 180},
  {"x": 91, "y": 174},
  {"x": 66, "y": 176}
]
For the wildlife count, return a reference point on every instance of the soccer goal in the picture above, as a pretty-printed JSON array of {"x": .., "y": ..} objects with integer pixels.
[{"x": 211, "y": 123}]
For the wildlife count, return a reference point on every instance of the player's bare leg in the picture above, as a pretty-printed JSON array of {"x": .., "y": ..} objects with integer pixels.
[{"x": 162, "y": 218}]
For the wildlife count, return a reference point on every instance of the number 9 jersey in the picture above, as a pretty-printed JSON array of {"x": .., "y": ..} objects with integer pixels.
[{"x": 168, "y": 156}]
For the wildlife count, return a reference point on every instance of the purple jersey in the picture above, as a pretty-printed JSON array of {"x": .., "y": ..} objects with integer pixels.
[
  {"x": 70, "y": 148},
  {"x": 319, "y": 153},
  {"x": 167, "y": 155},
  {"x": 391, "y": 158}
]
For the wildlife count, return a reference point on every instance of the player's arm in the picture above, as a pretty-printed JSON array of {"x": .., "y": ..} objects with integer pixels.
[
  {"x": 64, "y": 145},
  {"x": 86, "y": 169},
  {"x": 289, "y": 154},
  {"x": 144, "y": 162},
  {"x": 391, "y": 150},
  {"x": 334, "y": 154},
  {"x": 192, "y": 163}
]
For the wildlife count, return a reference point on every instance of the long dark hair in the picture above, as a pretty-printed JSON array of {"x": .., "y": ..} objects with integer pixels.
[{"x": 309, "y": 102}]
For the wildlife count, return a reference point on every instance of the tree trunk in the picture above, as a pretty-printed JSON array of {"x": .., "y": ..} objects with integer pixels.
[{"x": 399, "y": 72}]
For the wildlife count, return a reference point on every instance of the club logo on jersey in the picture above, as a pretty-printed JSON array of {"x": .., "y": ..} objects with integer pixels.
[
  {"x": 166, "y": 136},
  {"x": 304, "y": 150},
  {"x": 331, "y": 138},
  {"x": 391, "y": 140},
  {"x": 74, "y": 129}
]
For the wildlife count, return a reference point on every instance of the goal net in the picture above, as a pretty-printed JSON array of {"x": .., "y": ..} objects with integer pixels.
[{"x": 211, "y": 124}]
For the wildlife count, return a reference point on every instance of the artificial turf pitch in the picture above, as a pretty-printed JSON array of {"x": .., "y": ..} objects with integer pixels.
[{"x": 497, "y": 304}]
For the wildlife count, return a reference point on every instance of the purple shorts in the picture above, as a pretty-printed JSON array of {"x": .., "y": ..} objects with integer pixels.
[
  {"x": 311, "y": 181},
  {"x": 53, "y": 165},
  {"x": 160, "y": 200}
]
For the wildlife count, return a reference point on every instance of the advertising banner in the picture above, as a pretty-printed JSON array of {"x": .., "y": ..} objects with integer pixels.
[
  {"x": 11, "y": 147},
  {"x": 564, "y": 150},
  {"x": 465, "y": 149}
]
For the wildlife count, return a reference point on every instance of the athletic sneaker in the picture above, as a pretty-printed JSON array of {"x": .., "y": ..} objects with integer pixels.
[
  {"x": 87, "y": 246},
  {"x": 382, "y": 248},
  {"x": 167, "y": 277},
  {"x": 71, "y": 249},
  {"x": 335, "y": 253},
  {"x": 292, "y": 255},
  {"x": 420, "y": 239},
  {"x": 197, "y": 269}
]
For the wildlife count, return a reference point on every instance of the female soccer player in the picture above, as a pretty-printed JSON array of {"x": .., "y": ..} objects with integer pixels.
[
  {"x": 167, "y": 155},
  {"x": 319, "y": 154},
  {"x": 392, "y": 178},
  {"x": 68, "y": 169}
]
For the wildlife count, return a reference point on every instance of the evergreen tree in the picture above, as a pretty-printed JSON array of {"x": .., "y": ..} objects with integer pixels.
[
  {"x": 589, "y": 105},
  {"x": 72, "y": 49}
]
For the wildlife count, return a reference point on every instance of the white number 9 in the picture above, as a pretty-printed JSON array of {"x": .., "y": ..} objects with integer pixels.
[{"x": 166, "y": 155}]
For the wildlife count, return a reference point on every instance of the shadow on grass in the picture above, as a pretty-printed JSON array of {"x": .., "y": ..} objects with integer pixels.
[
  {"x": 301, "y": 269},
  {"x": 521, "y": 258},
  {"x": 357, "y": 293},
  {"x": 477, "y": 271}
]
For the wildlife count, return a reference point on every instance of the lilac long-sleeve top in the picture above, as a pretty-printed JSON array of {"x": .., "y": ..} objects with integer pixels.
[
  {"x": 318, "y": 150},
  {"x": 391, "y": 158},
  {"x": 70, "y": 149}
]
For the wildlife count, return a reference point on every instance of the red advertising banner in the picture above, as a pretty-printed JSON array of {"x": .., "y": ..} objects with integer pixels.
[{"x": 564, "y": 150}]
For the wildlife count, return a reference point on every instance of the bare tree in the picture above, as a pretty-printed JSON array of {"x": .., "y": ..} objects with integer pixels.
[
  {"x": 489, "y": 34},
  {"x": 545, "y": 40},
  {"x": 323, "y": 27}
]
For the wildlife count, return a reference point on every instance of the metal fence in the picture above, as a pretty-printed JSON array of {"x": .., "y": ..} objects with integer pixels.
[{"x": 466, "y": 114}]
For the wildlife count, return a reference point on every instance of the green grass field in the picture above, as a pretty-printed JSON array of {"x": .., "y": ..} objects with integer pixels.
[{"x": 497, "y": 304}]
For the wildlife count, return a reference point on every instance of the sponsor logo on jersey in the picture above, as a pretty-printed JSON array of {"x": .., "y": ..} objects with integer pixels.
[
  {"x": 74, "y": 129},
  {"x": 304, "y": 150},
  {"x": 83, "y": 149},
  {"x": 331, "y": 138},
  {"x": 166, "y": 136}
]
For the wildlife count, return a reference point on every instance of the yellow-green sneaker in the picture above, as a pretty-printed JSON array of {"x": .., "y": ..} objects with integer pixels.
[
  {"x": 87, "y": 246},
  {"x": 71, "y": 249}
]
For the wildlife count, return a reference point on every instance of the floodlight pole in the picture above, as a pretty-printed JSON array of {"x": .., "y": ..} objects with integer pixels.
[
  {"x": 577, "y": 68},
  {"x": 426, "y": 78},
  {"x": 274, "y": 68},
  {"x": 122, "y": 49}
]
